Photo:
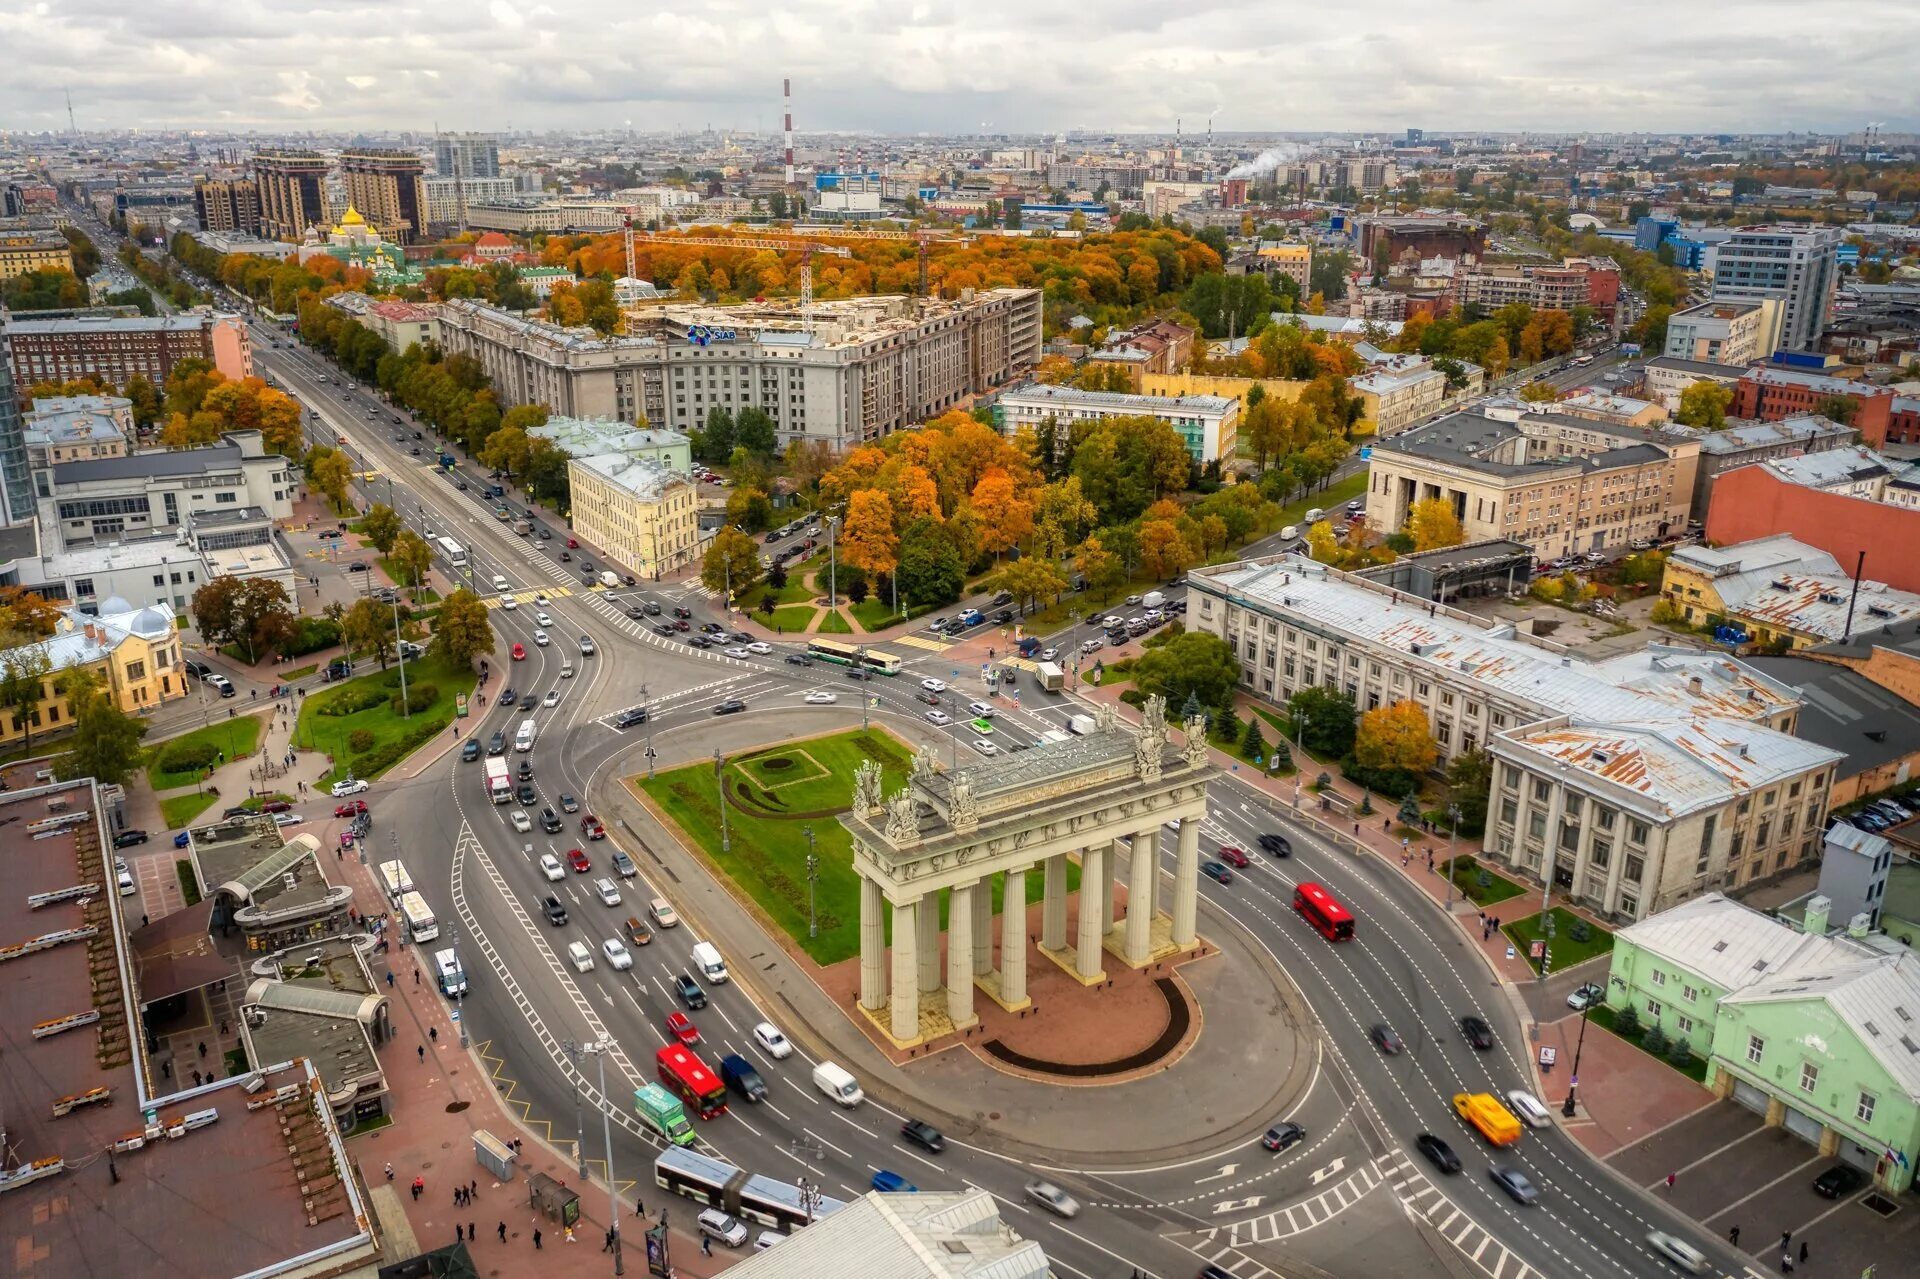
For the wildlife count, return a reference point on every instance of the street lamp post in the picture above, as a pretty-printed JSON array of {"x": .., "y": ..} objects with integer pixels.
[
  {"x": 1453, "y": 829},
  {"x": 1573, "y": 1079},
  {"x": 1299, "y": 732},
  {"x": 649, "y": 756},
  {"x": 579, "y": 1117},
  {"x": 453, "y": 940},
  {"x": 833, "y": 561},
  {"x": 598, "y": 1049},
  {"x": 860, "y": 655},
  {"x": 813, "y": 878},
  {"x": 720, "y": 785}
]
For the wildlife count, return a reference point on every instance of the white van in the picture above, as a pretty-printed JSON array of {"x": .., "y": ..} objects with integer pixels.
[
  {"x": 447, "y": 971},
  {"x": 1314, "y": 516},
  {"x": 837, "y": 1084},
  {"x": 500, "y": 583},
  {"x": 1290, "y": 532},
  {"x": 523, "y": 739},
  {"x": 566, "y": 669},
  {"x": 706, "y": 957},
  {"x": 580, "y": 957}
]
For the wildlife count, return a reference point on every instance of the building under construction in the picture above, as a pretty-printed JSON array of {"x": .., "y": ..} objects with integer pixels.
[{"x": 851, "y": 370}]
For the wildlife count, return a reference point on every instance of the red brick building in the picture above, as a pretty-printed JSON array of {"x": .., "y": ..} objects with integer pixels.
[
  {"x": 1769, "y": 395},
  {"x": 1751, "y": 502},
  {"x": 1903, "y": 425}
]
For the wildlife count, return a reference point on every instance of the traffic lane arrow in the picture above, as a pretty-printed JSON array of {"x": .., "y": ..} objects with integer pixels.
[
  {"x": 1226, "y": 1170},
  {"x": 1237, "y": 1205},
  {"x": 1329, "y": 1170}
]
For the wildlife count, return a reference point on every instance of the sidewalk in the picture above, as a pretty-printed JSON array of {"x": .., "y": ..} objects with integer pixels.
[{"x": 440, "y": 1099}]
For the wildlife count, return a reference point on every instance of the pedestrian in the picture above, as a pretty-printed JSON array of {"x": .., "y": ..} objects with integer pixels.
[
  {"x": 1670, "y": 1177},
  {"x": 457, "y": 1192},
  {"x": 473, "y": 1188},
  {"x": 606, "y": 1244},
  {"x": 419, "y": 1184},
  {"x": 389, "y": 979},
  {"x": 503, "y": 1231},
  {"x": 706, "y": 1245},
  {"x": 1803, "y": 1252},
  {"x": 433, "y": 1032},
  {"x": 1786, "y": 1263},
  {"x": 203, "y": 1048},
  {"x": 389, "y": 1172},
  {"x": 472, "y": 1235},
  {"x": 457, "y": 1235},
  {"x": 1733, "y": 1236},
  {"x": 166, "y": 1068},
  {"x": 536, "y": 1239},
  {"x": 196, "y": 1079},
  {"x": 569, "y": 1234},
  {"x": 1786, "y": 1237},
  {"x": 1386, "y": 823},
  {"x": 1429, "y": 860},
  {"x": 422, "y": 1050},
  {"x": 1405, "y": 857},
  {"x": 1356, "y": 828},
  {"x": 223, "y": 1026},
  {"x": 143, "y": 921},
  {"x": 639, "y": 1209}
]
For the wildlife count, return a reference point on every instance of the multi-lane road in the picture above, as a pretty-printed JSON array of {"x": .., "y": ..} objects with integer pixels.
[{"x": 1235, "y": 1206}]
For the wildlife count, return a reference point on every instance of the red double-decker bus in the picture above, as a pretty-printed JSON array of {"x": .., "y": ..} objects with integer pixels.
[
  {"x": 1317, "y": 906},
  {"x": 687, "y": 1077}
]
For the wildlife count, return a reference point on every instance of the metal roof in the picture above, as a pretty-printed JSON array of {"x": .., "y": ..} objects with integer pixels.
[
  {"x": 925, "y": 1235},
  {"x": 214, "y": 457},
  {"x": 1877, "y": 997},
  {"x": 1845, "y": 711},
  {"x": 1733, "y": 947}
]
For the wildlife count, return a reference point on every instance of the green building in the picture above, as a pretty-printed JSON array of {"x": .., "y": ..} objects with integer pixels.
[{"x": 1817, "y": 1031}]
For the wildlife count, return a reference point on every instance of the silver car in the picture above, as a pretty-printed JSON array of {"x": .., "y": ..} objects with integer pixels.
[
  {"x": 1053, "y": 1199},
  {"x": 1678, "y": 1251}
]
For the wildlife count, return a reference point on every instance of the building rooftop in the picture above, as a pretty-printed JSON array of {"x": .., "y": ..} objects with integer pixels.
[
  {"x": 182, "y": 322},
  {"x": 941, "y": 1234},
  {"x": 643, "y": 477},
  {"x": 1342, "y": 325},
  {"x": 1115, "y": 401},
  {"x": 1491, "y": 439},
  {"x": 1845, "y": 711},
  {"x": 1734, "y": 946},
  {"x": 1402, "y": 371},
  {"x": 81, "y": 640},
  {"x": 1852, "y": 464},
  {"x": 161, "y": 464},
  {"x": 1876, "y": 996},
  {"x": 1612, "y": 405},
  {"x": 1797, "y": 587},
  {"x": 1819, "y": 383},
  {"x": 1800, "y": 429},
  {"x": 581, "y": 437},
  {"x": 1703, "y": 368}
]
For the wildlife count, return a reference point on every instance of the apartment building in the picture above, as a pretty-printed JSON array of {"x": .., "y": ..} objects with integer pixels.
[
  {"x": 1630, "y": 783},
  {"x": 1557, "y": 287},
  {"x": 76, "y": 428},
  {"x": 1797, "y": 266},
  {"x": 1750, "y": 442},
  {"x": 449, "y": 199},
  {"x": 24, "y": 251},
  {"x": 1755, "y": 502},
  {"x": 1560, "y": 484},
  {"x": 1208, "y": 424},
  {"x": 1770, "y": 394},
  {"x": 1725, "y": 332},
  {"x": 1398, "y": 392},
  {"x": 292, "y": 189},
  {"x": 1779, "y": 589},
  {"x": 1157, "y": 346},
  {"x": 641, "y": 514},
  {"x": 387, "y": 187},
  {"x": 869, "y": 366},
  {"x": 1668, "y": 376},
  {"x": 230, "y": 206},
  {"x": 136, "y": 654},
  {"x": 115, "y": 349},
  {"x": 466, "y": 155},
  {"x": 528, "y": 215}
]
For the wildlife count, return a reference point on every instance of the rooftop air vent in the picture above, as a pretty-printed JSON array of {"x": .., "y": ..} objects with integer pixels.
[{"x": 1719, "y": 946}]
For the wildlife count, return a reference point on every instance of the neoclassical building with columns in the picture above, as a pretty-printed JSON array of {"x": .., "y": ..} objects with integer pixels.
[{"x": 1105, "y": 798}]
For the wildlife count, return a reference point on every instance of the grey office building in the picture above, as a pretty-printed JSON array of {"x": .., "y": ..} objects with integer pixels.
[
  {"x": 16, "y": 475},
  {"x": 466, "y": 155},
  {"x": 1798, "y": 266}
]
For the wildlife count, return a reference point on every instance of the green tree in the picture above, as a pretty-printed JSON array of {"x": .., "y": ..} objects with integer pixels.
[
  {"x": 412, "y": 558},
  {"x": 381, "y": 526},
  {"x": 369, "y": 629},
  {"x": 1837, "y": 408},
  {"x": 106, "y": 743},
  {"x": 1469, "y": 782},
  {"x": 23, "y": 684},
  {"x": 750, "y": 509},
  {"x": 1704, "y": 404},
  {"x": 1191, "y": 664},
  {"x": 753, "y": 430},
  {"x": 1252, "y": 744},
  {"x": 464, "y": 631},
  {"x": 506, "y": 450},
  {"x": 715, "y": 442},
  {"x": 329, "y": 471},
  {"x": 932, "y": 570},
  {"x": 1325, "y": 717},
  {"x": 732, "y": 562}
]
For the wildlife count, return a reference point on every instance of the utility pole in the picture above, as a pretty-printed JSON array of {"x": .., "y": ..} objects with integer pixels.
[
  {"x": 1453, "y": 829},
  {"x": 406, "y": 711},
  {"x": 573, "y": 1050},
  {"x": 833, "y": 561},
  {"x": 453, "y": 939},
  {"x": 1299, "y": 732},
  {"x": 720, "y": 785},
  {"x": 813, "y": 878},
  {"x": 598, "y": 1049}
]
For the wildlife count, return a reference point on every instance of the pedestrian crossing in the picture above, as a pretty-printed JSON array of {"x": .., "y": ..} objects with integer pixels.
[
  {"x": 920, "y": 641},
  {"x": 529, "y": 595},
  {"x": 1422, "y": 1198}
]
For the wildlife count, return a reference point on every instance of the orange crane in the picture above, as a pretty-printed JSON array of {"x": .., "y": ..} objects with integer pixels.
[
  {"x": 806, "y": 249},
  {"x": 921, "y": 237}
]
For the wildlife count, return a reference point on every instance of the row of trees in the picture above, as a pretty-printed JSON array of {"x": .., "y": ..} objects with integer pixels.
[
  {"x": 202, "y": 404},
  {"x": 254, "y": 616}
]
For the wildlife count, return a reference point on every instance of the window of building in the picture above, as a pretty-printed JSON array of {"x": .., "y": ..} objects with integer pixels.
[
  {"x": 136, "y": 670},
  {"x": 1636, "y": 867},
  {"x": 1637, "y": 832},
  {"x": 1809, "y": 1076},
  {"x": 1686, "y": 1025},
  {"x": 1864, "y": 1110},
  {"x": 1653, "y": 1009},
  {"x": 1756, "y": 1046},
  {"x": 1658, "y": 978},
  {"x": 1508, "y": 810}
]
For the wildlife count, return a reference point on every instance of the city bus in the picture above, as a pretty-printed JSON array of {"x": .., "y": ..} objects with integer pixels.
[
  {"x": 452, "y": 552},
  {"x": 718, "y": 1184},
  {"x": 848, "y": 655},
  {"x": 1317, "y": 906},
  {"x": 687, "y": 1077},
  {"x": 394, "y": 877},
  {"x": 421, "y": 925}
]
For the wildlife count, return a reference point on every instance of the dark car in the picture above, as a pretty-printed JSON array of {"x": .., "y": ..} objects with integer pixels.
[
  {"x": 1438, "y": 1152},
  {"x": 1838, "y": 1182},
  {"x": 924, "y": 1135},
  {"x": 1280, "y": 1136},
  {"x": 712, "y": 628},
  {"x": 550, "y": 821},
  {"x": 1217, "y": 871},
  {"x": 1003, "y": 617},
  {"x": 497, "y": 744},
  {"x": 799, "y": 659},
  {"x": 664, "y": 628},
  {"x": 506, "y": 697},
  {"x": 1515, "y": 1183},
  {"x": 526, "y": 770},
  {"x": 732, "y": 706},
  {"x": 631, "y": 716},
  {"x": 527, "y": 796},
  {"x": 1478, "y": 1033},
  {"x": 1278, "y": 845},
  {"x": 568, "y": 804},
  {"x": 238, "y": 810},
  {"x": 1386, "y": 1040},
  {"x": 470, "y": 751},
  {"x": 931, "y": 699},
  {"x": 529, "y": 700},
  {"x": 555, "y": 909},
  {"x": 689, "y": 991},
  {"x": 681, "y": 611},
  {"x": 128, "y": 838},
  {"x": 650, "y": 608}
]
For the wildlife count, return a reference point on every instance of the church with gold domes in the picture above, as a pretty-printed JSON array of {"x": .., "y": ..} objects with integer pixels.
[{"x": 354, "y": 243}]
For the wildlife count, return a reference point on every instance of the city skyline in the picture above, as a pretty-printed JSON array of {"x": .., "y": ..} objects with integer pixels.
[{"x": 999, "y": 68}]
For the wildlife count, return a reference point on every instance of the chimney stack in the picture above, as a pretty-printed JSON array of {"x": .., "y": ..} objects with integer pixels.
[{"x": 786, "y": 95}]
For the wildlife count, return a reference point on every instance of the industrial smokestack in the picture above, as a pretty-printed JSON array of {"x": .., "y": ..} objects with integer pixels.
[{"x": 786, "y": 96}]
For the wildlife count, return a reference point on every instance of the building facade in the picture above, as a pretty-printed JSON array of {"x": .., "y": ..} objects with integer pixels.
[
  {"x": 1725, "y": 332},
  {"x": 228, "y": 205},
  {"x": 105, "y": 500},
  {"x": 118, "y": 349},
  {"x": 1797, "y": 266},
  {"x": 292, "y": 190},
  {"x": 1770, "y": 394},
  {"x": 1207, "y": 424},
  {"x": 1629, "y": 784},
  {"x": 1561, "y": 485},
  {"x": 136, "y": 655},
  {"x": 1398, "y": 392},
  {"x": 449, "y": 199},
  {"x": 1780, "y": 590},
  {"x": 1668, "y": 376},
  {"x": 1754, "y": 503},
  {"x": 1737, "y": 446},
  {"x": 466, "y": 155},
  {"x": 387, "y": 187},
  {"x": 76, "y": 428},
  {"x": 24, "y": 251},
  {"x": 637, "y": 511}
]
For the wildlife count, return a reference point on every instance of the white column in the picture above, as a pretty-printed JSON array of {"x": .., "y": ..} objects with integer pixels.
[
  {"x": 1013, "y": 938},
  {"x": 1108, "y": 864},
  {"x": 929, "y": 936},
  {"x": 873, "y": 946},
  {"x": 1140, "y": 877},
  {"x": 983, "y": 927},
  {"x": 906, "y": 986},
  {"x": 1087, "y": 956},
  {"x": 1186, "y": 883},
  {"x": 960, "y": 943},
  {"x": 1053, "y": 924}
]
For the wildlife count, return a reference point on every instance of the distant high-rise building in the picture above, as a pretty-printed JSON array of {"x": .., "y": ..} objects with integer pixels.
[
  {"x": 466, "y": 155},
  {"x": 389, "y": 189},
  {"x": 292, "y": 189},
  {"x": 16, "y": 475},
  {"x": 229, "y": 205},
  {"x": 1797, "y": 265}
]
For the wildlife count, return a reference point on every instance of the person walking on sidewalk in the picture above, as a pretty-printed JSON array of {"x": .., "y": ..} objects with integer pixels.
[
  {"x": 473, "y": 1188},
  {"x": 536, "y": 1239},
  {"x": 706, "y": 1245},
  {"x": 1733, "y": 1236},
  {"x": 473, "y": 1232},
  {"x": 389, "y": 1172},
  {"x": 1803, "y": 1252},
  {"x": 419, "y": 1184},
  {"x": 639, "y": 1209},
  {"x": 1670, "y": 1178},
  {"x": 502, "y": 1228}
]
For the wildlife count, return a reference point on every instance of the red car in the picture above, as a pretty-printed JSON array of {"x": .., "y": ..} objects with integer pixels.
[
  {"x": 1233, "y": 856},
  {"x": 683, "y": 1028},
  {"x": 352, "y": 808},
  {"x": 277, "y": 806},
  {"x": 573, "y": 544},
  {"x": 578, "y": 860},
  {"x": 519, "y": 653},
  {"x": 590, "y": 827}
]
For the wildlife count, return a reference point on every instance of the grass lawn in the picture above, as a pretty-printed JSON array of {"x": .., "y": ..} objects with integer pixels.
[
  {"x": 835, "y": 623},
  {"x": 775, "y": 794},
  {"x": 1603, "y": 1016},
  {"x": 796, "y": 591},
  {"x": 1566, "y": 951},
  {"x": 1465, "y": 871},
  {"x": 875, "y": 614},
  {"x": 298, "y": 672},
  {"x": 427, "y": 594},
  {"x": 236, "y": 737},
  {"x": 189, "y": 890},
  {"x": 182, "y": 809},
  {"x": 789, "y": 621},
  {"x": 393, "y": 737}
]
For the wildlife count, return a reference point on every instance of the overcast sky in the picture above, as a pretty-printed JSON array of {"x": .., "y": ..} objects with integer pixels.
[{"x": 947, "y": 66}]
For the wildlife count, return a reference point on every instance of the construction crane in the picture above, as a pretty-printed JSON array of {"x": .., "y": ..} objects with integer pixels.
[
  {"x": 805, "y": 248},
  {"x": 921, "y": 237}
]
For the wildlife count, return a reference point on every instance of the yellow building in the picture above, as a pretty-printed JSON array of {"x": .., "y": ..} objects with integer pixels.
[
  {"x": 136, "y": 656},
  {"x": 1778, "y": 590},
  {"x": 640, "y": 513},
  {"x": 34, "y": 251},
  {"x": 1233, "y": 388},
  {"x": 1295, "y": 261}
]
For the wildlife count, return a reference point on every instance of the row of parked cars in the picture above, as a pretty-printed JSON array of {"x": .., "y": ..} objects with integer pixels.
[{"x": 1884, "y": 814}]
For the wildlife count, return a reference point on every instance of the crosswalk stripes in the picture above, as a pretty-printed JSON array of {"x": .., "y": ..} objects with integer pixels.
[
  {"x": 1419, "y": 1195},
  {"x": 529, "y": 595},
  {"x": 918, "y": 641}
]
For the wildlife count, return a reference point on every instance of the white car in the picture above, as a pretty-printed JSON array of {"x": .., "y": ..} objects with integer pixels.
[
  {"x": 981, "y": 709},
  {"x": 738, "y": 651},
  {"x": 1528, "y": 1107},
  {"x": 552, "y": 698},
  {"x": 617, "y": 954},
  {"x": 542, "y": 599},
  {"x": 938, "y": 718},
  {"x": 287, "y": 819},
  {"x": 934, "y": 685},
  {"x": 1093, "y": 645},
  {"x": 607, "y": 891},
  {"x": 550, "y": 866},
  {"x": 521, "y": 822},
  {"x": 540, "y": 639},
  {"x": 768, "y": 1036},
  {"x": 1113, "y": 620},
  {"x": 1049, "y": 654},
  {"x": 820, "y": 697},
  {"x": 985, "y": 747},
  {"x": 352, "y": 786},
  {"x": 543, "y": 619},
  {"x": 761, "y": 647},
  {"x": 509, "y": 603}
]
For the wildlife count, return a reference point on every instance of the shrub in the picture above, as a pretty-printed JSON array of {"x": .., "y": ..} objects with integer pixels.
[
  {"x": 1655, "y": 1041},
  {"x": 1580, "y": 931},
  {"x": 376, "y": 761},
  {"x": 1323, "y": 781},
  {"x": 360, "y": 741},
  {"x": 188, "y": 757},
  {"x": 353, "y": 699},
  {"x": 1627, "y": 1021},
  {"x": 1133, "y": 697},
  {"x": 310, "y": 635},
  {"x": 1366, "y": 804},
  {"x": 419, "y": 698},
  {"x": 1680, "y": 1053}
]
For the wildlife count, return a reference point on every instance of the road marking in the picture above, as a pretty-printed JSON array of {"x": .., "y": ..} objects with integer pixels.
[
  {"x": 1226, "y": 1170},
  {"x": 1137, "y": 1269},
  {"x": 1322, "y": 1174},
  {"x": 823, "y": 1141}
]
